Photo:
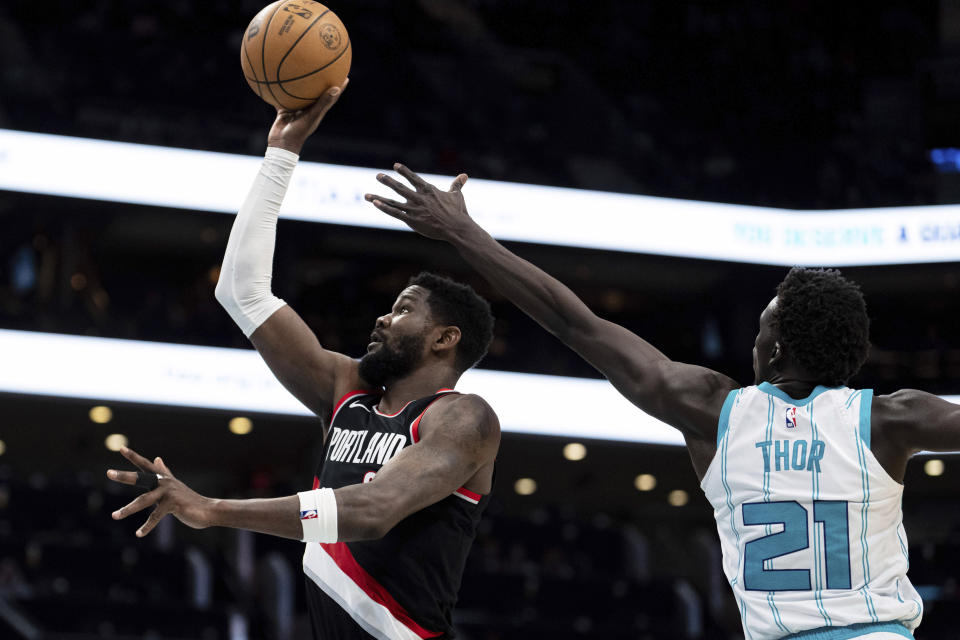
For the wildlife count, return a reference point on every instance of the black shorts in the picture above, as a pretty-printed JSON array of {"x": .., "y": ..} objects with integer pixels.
[{"x": 328, "y": 619}]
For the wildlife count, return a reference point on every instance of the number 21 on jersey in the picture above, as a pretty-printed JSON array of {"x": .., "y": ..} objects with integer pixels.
[{"x": 795, "y": 536}]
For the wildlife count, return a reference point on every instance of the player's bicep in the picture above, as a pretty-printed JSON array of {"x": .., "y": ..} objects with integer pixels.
[
  {"x": 919, "y": 421},
  {"x": 422, "y": 475},
  {"x": 458, "y": 438},
  {"x": 314, "y": 375},
  {"x": 690, "y": 398}
]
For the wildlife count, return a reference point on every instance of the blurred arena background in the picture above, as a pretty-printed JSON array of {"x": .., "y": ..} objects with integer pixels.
[{"x": 798, "y": 105}]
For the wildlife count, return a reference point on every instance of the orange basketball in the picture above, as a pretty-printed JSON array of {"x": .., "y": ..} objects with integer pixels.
[{"x": 294, "y": 51}]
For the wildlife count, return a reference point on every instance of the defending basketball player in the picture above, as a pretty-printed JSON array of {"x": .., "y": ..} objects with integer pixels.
[
  {"x": 804, "y": 474},
  {"x": 407, "y": 464}
]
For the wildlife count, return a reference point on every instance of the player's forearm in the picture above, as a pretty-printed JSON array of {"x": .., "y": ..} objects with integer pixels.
[
  {"x": 244, "y": 287},
  {"x": 356, "y": 515},
  {"x": 541, "y": 296},
  {"x": 293, "y": 145},
  {"x": 273, "y": 516}
]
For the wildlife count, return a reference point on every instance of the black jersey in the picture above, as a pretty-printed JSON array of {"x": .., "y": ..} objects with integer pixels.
[{"x": 404, "y": 585}]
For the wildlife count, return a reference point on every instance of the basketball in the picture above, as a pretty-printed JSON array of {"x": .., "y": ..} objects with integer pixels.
[{"x": 294, "y": 51}]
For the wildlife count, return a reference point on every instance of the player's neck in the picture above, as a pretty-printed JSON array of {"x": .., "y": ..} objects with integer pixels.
[
  {"x": 795, "y": 384},
  {"x": 419, "y": 384}
]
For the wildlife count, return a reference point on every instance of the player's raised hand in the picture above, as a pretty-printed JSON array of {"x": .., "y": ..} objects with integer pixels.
[
  {"x": 292, "y": 128},
  {"x": 163, "y": 490},
  {"x": 429, "y": 211}
]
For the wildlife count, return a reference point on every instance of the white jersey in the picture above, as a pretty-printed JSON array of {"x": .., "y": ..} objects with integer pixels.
[{"x": 810, "y": 524}]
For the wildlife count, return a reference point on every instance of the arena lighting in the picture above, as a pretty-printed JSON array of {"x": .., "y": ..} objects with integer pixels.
[
  {"x": 525, "y": 486},
  {"x": 237, "y": 380},
  {"x": 574, "y": 451},
  {"x": 207, "y": 181},
  {"x": 678, "y": 498},
  {"x": 645, "y": 482},
  {"x": 933, "y": 467},
  {"x": 946, "y": 160},
  {"x": 101, "y": 414},
  {"x": 240, "y": 426},
  {"x": 115, "y": 441}
]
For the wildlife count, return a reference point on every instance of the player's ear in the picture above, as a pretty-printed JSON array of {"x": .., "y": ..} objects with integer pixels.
[
  {"x": 448, "y": 339},
  {"x": 776, "y": 354}
]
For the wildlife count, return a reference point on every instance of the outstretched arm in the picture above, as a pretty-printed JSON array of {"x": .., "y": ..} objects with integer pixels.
[
  {"x": 312, "y": 374},
  {"x": 460, "y": 437},
  {"x": 685, "y": 396},
  {"x": 917, "y": 421}
]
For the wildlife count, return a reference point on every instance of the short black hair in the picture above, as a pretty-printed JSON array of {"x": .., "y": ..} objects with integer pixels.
[
  {"x": 456, "y": 304},
  {"x": 823, "y": 324}
]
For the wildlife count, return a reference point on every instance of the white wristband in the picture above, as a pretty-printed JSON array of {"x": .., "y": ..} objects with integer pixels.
[{"x": 318, "y": 515}]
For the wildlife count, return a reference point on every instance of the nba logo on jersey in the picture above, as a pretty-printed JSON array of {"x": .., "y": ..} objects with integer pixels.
[{"x": 791, "y": 417}]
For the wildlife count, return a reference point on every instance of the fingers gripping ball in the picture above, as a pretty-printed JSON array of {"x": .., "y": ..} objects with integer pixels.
[{"x": 294, "y": 51}]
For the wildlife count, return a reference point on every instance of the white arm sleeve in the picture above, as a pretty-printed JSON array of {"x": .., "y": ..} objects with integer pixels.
[{"x": 247, "y": 269}]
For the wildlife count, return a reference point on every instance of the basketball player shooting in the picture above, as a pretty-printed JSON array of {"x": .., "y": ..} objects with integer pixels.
[
  {"x": 407, "y": 464},
  {"x": 805, "y": 475}
]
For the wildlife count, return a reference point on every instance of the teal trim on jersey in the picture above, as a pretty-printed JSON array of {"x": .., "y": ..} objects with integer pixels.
[
  {"x": 853, "y": 396},
  {"x": 864, "y": 516},
  {"x": 776, "y": 613},
  {"x": 768, "y": 388},
  {"x": 729, "y": 494},
  {"x": 768, "y": 435},
  {"x": 726, "y": 489},
  {"x": 852, "y": 632},
  {"x": 768, "y": 564},
  {"x": 743, "y": 618},
  {"x": 866, "y": 404},
  {"x": 903, "y": 547},
  {"x": 918, "y": 613},
  {"x": 818, "y": 573},
  {"x": 724, "y": 423},
  {"x": 913, "y": 600}
]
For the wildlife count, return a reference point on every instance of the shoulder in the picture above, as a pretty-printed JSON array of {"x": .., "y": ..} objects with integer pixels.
[
  {"x": 466, "y": 409},
  {"x": 901, "y": 406},
  {"x": 462, "y": 415},
  {"x": 680, "y": 377},
  {"x": 910, "y": 406},
  {"x": 691, "y": 398},
  {"x": 899, "y": 416}
]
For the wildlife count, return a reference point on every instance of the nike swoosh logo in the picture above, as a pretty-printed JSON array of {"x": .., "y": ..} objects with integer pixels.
[{"x": 356, "y": 403}]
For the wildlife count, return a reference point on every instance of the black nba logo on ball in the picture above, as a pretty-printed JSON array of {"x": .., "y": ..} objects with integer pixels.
[
  {"x": 330, "y": 36},
  {"x": 297, "y": 10}
]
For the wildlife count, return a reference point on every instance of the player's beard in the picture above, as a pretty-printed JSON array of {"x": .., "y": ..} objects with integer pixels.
[{"x": 392, "y": 361}]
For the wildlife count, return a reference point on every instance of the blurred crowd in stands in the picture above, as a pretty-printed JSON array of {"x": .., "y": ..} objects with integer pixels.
[
  {"x": 122, "y": 271},
  {"x": 72, "y": 572},
  {"x": 802, "y": 104}
]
